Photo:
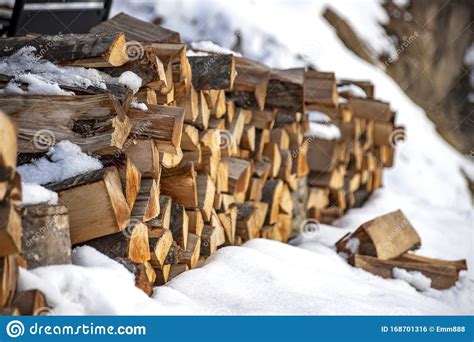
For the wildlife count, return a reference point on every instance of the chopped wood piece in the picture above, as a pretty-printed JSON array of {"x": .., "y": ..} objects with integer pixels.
[
  {"x": 176, "y": 270},
  {"x": 371, "y": 109},
  {"x": 137, "y": 30},
  {"x": 250, "y": 218},
  {"x": 160, "y": 241},
  {"x": 251, "y": 83},
  {"x": 240, "y": 171},
  {"x": 163, "y": 124},
  {"x": 147, "y": 204},
  {"x": 320, "y": 88},
  {"x": 130, "y": 175},
  {"x": 132, "y": 243},
  {"x": 191, "y": 254},
  {"x": 46, "y": 239},
  {"x": 272, "y": 193},
  {"x": 206, "y": 191},
  {"x": 179, "y": 225},
  {"x": 196, "y": 221},
  {"x": 31, "y": 303},
  {"x": 164, "y": 218},
  {"x": 93, "y": 122},
  {"x": 87, "y": 50},
  {"x": 174, "y": 255},
  {"x": 106, "y": 211},
  {"x": 8, "y": 279},
  {"x": 162, "y": 275},
  {"x": 443, "y": 276},
  {"x": 285, "y": 90},
  {"x": 386, "y": 237},
  {"x": 140, "y": 272},
  {"x": 214, "y": 71},
  {"x": 180, "y": 184}
]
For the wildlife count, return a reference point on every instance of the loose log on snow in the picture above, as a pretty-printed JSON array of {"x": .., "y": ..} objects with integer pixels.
[
  {"x": 137, "y": 30},
  {"x": 386, "y": 237},
  {"x": 87, "y": 50},
  {"x": 443, "y": 276},
  {"x": 106, "y": 212},
  {"x": 214, "y": 71},
  {"x": 46, "y": 239},
  {"x": 93, "y": 122}
]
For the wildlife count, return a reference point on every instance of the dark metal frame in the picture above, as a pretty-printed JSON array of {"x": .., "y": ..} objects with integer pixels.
[{"x": 19, "y": 9}]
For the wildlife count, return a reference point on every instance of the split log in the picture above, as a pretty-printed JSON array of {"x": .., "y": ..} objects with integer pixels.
[
  {"x": 386, "y": 237},
  {"x": 285, "y": 90},
  {"x": 31, "y": 303},
  {"x": 8, "y": 279},
  {"x": 240, "y": 171},
  {"x": 371, "y": 109},
  {"x": 164, "y": 218},
  {"x": 214, "y": 71},
  {"x": 272, "y": 193},
  {"x": 180, "y": 184},
  {"x": 442, "y": 276},
  {"x": 145, "y": 155},
  {"x": 192, "y": 252},
  {"x": 46, "y": 239},
  {"x": 137, "y": 30},
  {"x": 93, "y": 122},
  {"x": 179, "y": 225},
  {"x": 132, "y": 243},
  {"x": 206, "y": 191},
  {"x": 163, "y": 124},
  {"x": 130, "y": 175},
  {"x": 86, "y": 50},
  {"x": 160, "y": 244},
  {"x": 250, "y": 219},
  {"x": 147, "y": 204},
  {"x": 251, "y": 83},
  {"x": 106, "y": 211},
  {"x": 140, "y": 273},
  {"x": 320, "y": 89},
  {"x": 10, "y": 218}
]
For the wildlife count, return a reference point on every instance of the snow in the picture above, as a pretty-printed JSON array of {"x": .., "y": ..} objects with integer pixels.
[
  {"x": 213, "y": 47},
  {"x": 324, "y": 131},
  {"x": 316, "y": 116},
  {"x": 353, "y": 245},
  {"x": 43, "y": 76},
  {"x": 63, "y": 161},
  {"x": 352, "y": 89},
  {"x": 130, "y": 80},
  {"x": 35, "y": 194},
  {"x": 417, "y": 279},
  {"x": 138, "y": 105},
  {"x": 308, "y": 276}
]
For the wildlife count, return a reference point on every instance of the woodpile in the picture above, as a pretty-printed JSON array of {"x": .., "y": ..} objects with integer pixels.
[
  {"x": 346, "y": 169},
  {"x": 381, "y": 246},
  {"x": 212, "y": 150}
]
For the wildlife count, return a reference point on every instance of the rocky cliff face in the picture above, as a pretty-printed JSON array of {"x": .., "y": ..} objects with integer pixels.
[{"x": 431, "y": 39}]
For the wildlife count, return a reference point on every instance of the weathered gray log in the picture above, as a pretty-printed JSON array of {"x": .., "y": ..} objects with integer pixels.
[
  {"x": 214, "y": 71},
  {"x": 93, "y": 122},
  {"x": 46, "y": 240},
  {"x": 137, "y": 30},
  {"x": 88, "y": 50}
]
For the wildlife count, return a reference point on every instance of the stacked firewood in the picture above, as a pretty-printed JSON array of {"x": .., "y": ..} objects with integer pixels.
[
  {"x": 347, "y": 168},
  {"x": 209, "y": 151}
]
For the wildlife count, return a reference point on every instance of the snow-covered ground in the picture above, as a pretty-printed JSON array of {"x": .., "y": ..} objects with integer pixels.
[{"x": 307, "y": 277}]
